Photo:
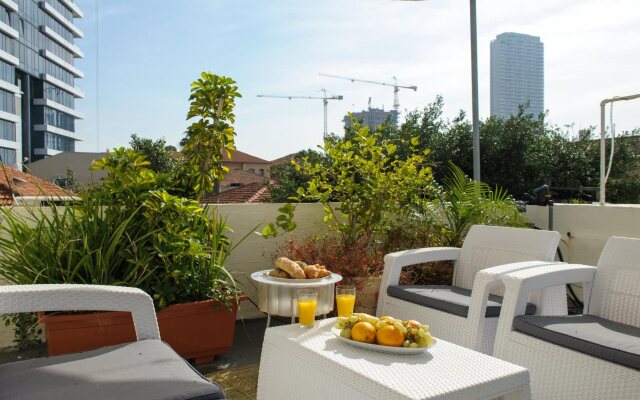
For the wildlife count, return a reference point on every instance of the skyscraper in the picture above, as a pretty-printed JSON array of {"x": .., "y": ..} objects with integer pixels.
[
  {"x": 37, "y": 78},
  {"x": 517, "y": 74}
]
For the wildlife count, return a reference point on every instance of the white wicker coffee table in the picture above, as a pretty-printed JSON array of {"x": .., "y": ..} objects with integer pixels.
[{"x": 312, "y": 363}]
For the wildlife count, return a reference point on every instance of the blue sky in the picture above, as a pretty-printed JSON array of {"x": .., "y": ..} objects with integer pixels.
[{"x": 142, "y": 55}]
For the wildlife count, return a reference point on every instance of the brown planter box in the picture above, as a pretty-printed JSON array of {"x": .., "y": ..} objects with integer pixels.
[{"x": 197, "y": 331}]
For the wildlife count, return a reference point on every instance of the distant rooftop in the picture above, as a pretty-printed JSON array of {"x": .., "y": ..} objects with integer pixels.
[
  {"x": 239, "y": 156},
  {"x": 15, "y": 184}
]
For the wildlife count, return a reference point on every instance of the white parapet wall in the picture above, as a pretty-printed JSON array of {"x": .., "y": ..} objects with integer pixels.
[{"x": 585, "y": 228}]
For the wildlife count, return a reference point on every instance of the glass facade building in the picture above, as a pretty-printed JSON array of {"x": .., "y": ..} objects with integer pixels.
[
  {"x": 37, "y": 78},
  {"x": 517, "y": 74}
]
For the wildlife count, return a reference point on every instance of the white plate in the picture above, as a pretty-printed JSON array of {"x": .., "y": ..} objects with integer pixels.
[
  {"x": 275, "y": 278},
  {"x": 380, "y": 348}
]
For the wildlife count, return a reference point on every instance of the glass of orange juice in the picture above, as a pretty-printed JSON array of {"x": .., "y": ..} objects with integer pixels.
[
  {"x": 307, "y": 302},
  {"x": 345, "y": 299}
]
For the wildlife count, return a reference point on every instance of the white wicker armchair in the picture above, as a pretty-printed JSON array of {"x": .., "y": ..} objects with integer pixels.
[
  {"x": 145, "y": 369},
  {"x": 591, "y": 356},
  {"x": 461, "y": 314}
]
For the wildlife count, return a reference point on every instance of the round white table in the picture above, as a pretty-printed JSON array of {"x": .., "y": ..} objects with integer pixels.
[{"x": 276, "y": 296}]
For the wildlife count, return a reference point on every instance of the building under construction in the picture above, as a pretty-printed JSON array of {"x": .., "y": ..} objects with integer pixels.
[{"x": 372, "y": 118}]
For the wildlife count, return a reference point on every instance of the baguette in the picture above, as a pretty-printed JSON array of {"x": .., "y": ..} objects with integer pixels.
[{"x": 290, "y": 267}]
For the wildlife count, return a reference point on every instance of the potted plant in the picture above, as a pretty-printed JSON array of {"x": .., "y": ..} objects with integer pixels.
[
  {"x": 139, "y": 228},
  {"x": 364, "y": 185}
]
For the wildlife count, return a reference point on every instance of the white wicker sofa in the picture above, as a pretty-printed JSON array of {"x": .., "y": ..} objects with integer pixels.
[
  {"x": 465, "y": 313},
  {"x": 145, "y": 369},
  {"x": 595, "y": 355}
]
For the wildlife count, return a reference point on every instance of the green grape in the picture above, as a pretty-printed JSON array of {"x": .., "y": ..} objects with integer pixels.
[
  {"x": 414, "y": 331},
  {"x": 422, "y": 333},
  {"x": 403, "y": 330},
  {"x": 406, "y": 343},
  {"x": 346, "y": 333},
  {"x": 413, "y": 345},
  {"x": 423, "y": 342},
  {"x": 353, "y": 319},
  {"x": 424, "y": 328},
  {"x": 397, "y": 325}
]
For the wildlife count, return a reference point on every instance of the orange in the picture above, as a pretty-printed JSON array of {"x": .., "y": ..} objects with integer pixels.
[
  {"x": 363, "y": 332},
  {"x": 389, "y": 335}
]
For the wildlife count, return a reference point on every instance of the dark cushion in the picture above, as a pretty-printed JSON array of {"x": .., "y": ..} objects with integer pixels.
[
  {"x": 450, "y": 299},
  {"x": 588, "y": 334},
  {"x": 148, "y": 369}
]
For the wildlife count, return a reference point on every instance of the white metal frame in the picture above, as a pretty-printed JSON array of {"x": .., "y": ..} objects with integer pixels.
[
  {"x": 479, "y": 267},
  {"x": 611, "y": 291}
]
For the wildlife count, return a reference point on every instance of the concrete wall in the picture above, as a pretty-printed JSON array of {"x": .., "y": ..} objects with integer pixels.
[{"x": 585, "y": 228}]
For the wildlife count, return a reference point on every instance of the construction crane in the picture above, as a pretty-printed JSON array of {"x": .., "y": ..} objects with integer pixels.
[
  {"x": 325, "y": 100},
  {"x": 396, "y": 87}
]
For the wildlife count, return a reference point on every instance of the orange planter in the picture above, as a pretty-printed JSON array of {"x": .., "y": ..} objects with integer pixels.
[{"x": 197, "y": 331}]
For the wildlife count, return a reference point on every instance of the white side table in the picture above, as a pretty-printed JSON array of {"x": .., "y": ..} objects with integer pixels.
[
  {"x": 313, "y": 364},
  {"x": 277, "y": 296}
]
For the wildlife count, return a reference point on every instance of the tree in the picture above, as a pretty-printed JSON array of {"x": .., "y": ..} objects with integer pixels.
[
  {"x": 212, "y": 102},
  {"x": 159, "y": 155},
  {"x": 288, "y": 178}
]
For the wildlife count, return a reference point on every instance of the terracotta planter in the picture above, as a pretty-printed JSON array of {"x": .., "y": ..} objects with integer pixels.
[
  {"x": 197, "y": 331},
  {"x": 367, "y": 291}
]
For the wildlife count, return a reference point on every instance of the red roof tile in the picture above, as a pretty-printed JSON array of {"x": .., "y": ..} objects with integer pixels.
[
  {"x": 20, "y": 184},
  {"x": 254, "y": 192}
]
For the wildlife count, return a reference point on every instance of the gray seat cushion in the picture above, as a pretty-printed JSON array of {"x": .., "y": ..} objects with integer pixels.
[
  {"x": 588, "y": 334},
  {"x": 450, "y": 299},
  {"x": 148, "y": 369}
]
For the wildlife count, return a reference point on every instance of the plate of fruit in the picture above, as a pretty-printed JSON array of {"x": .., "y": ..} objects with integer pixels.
[{"x": 385, "y": 334}]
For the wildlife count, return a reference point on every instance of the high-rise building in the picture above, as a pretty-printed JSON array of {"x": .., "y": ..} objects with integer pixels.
[
  {"x": 372, "y": 118},
  {"x": 37, "y": 79},
  {"x": 517, "y": 74}
]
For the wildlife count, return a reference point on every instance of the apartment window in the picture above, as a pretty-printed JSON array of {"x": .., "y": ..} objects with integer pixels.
[
  {"x": 7, "y": 156},
  {"x": 261, "y": 171},
  {"x": 252, "y": 170},
  {"x": 7, "y": 130},
  {"x": 56, "y": 142}
]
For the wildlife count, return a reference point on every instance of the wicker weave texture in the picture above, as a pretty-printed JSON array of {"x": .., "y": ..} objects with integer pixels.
[
  {"x": 561, "y": 373},
  {"x": 479, "y": 267},
  {"x": 313, "y": 364},
  {"x": 31, "y": 298}
]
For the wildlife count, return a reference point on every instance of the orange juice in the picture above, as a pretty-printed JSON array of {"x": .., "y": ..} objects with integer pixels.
[
  {"x": 307, "y": 311},
  {"x": 345, "y": 304}
]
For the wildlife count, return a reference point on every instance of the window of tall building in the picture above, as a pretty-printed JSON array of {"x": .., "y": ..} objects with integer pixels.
[
  {"x": 8, "y": 156},
  {"x": 7, "y": 130},
  {"x": 57, "y": 142}
]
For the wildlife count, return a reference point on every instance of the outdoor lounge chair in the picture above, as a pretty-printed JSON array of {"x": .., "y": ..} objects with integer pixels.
[
  {"x": 145, "y": 369},
  {"x": 595, "y": 355},
  {"x": 466, "y": 313}
]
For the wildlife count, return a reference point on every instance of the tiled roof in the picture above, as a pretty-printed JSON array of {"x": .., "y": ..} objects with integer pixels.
[
  {"x": 20, "y": 184},
  {"x": 254, "y": 192},
  {"x": 239, "y": 156}
]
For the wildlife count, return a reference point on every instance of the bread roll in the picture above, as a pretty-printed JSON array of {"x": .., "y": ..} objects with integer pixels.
[
  {"x": 290, "y": 267},
  {"x": 278, "y": 273},
  {"x": 311, "y": 271}
]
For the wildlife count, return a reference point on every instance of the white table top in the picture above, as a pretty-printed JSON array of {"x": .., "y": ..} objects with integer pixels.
[
  {"x": 263, "y": 277},
  {"x": 444, "y": 371}
]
